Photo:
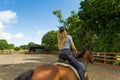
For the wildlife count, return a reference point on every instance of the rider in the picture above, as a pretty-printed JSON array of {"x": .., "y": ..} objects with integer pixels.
[{"x": 64, "y": 42}]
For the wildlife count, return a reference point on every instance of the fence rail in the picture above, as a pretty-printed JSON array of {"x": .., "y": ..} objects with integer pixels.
[{"x": 111, "y": 59}]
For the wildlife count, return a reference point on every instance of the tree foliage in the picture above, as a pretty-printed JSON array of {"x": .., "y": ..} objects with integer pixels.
[
  {"x": 11, "y": 46},
  {"x": 49, "y": 40},
  {"x": 30, "y": 44},
  {"x": 58, "y": 13},
  {"x": 23, "y": 47},
  {"x": 3, "y": 44},
  {"x": 17, "y": 48},
  {"x": 101, "y": 20}
]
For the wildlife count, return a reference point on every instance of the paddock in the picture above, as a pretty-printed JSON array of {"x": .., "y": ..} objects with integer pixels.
[{"x": 12, "y": 65}]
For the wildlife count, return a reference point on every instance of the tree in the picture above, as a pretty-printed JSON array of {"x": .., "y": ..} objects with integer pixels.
[
  {"x": 49, "y": 40},
  {"x": 11, "y": 46},
  {"x": 24, "y": 47},
  {"x": 30, "y": 44},
  {"x": 17, "y": 48},
  {"x": 101, "y": 20},
  {"x": 58, "y": 13},
  {"x": 3, "y": 44}
]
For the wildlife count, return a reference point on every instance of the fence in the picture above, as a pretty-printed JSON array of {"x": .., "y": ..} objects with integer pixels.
[
  {"x": 101, "y": 58},
  {"x": 107, "y": 59},
  {"x": 13, "y": 52}
]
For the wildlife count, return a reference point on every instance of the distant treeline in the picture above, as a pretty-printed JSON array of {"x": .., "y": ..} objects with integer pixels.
[{"x": 5, "y": 46}]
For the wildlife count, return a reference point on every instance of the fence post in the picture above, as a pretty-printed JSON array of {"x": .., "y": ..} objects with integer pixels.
[{"x": 104, "y": 58}]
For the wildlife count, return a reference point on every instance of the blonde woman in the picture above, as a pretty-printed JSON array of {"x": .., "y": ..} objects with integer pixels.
[{"x": 64, "y": 43}]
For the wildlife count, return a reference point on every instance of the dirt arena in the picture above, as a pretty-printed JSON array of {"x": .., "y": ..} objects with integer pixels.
[{"x": 12, "y": 65}]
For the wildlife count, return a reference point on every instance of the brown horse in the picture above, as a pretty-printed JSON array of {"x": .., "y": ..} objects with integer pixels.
[{"x": 57, "y": 72}]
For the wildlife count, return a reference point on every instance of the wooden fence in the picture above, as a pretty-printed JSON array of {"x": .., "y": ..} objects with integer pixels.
[{"x": 110, "y": 59}]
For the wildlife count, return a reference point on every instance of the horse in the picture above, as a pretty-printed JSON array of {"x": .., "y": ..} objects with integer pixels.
[{"x": 57, "y": 72}]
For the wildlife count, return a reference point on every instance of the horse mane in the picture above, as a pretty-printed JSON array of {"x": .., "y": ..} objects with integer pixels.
[
  {"x": 25, "y": 75},
  {"x": 80, "y": 55}
]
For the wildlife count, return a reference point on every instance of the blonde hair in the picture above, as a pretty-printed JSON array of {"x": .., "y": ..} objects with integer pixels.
[{"x": 62, "y": 37}]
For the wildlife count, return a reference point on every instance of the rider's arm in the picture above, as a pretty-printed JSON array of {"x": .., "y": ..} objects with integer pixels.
[{"x": 73, "y": 46}]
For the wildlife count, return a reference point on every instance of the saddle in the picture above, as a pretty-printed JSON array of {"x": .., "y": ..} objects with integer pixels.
[{"x": 66, "y": 64}]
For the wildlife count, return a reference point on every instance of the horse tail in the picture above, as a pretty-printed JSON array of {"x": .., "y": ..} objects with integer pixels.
[{"x": 25, "y": 75}]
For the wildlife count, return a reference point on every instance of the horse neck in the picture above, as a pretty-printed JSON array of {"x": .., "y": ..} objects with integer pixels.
[{"x": 84, "y": 61}]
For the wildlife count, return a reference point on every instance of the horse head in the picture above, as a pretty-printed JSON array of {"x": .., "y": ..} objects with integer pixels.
[{"x": 85, "y": 54}]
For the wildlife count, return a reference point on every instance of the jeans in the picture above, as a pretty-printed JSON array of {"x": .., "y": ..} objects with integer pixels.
[{"x": 65, "y": 54}]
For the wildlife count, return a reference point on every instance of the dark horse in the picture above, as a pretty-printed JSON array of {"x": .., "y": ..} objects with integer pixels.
[{"x": 57, "y": 72}]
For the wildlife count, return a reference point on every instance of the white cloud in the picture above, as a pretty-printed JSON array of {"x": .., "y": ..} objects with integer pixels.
[
  {"x": 1, "y": 26},
  {"x": 9, "y": 36},
  {"x": 7, "y": 17},
  {"x": 19, "y": 35},
  {"x": 5, "y": 35}
]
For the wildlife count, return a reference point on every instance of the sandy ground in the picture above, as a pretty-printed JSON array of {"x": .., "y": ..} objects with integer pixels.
[{"x": 12, "y": 65}]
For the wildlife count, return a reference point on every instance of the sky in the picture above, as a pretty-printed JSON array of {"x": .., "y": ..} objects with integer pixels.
[{"x": 24, "y": 21}]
